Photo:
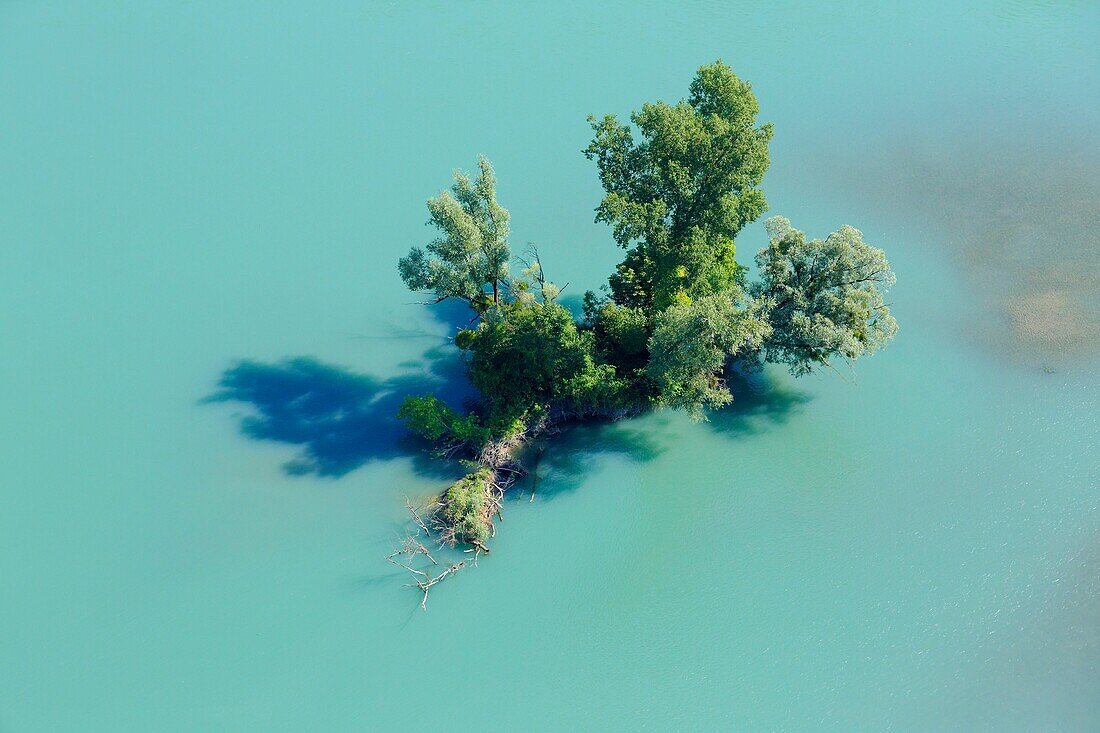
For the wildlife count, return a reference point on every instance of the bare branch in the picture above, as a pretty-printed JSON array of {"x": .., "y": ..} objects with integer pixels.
[
  {"x": 426, "y": 584},
  {"x": 416, "y": 517}
]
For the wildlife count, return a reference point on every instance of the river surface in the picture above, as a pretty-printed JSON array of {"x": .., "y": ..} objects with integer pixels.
[{"x": 183, "y": 185}]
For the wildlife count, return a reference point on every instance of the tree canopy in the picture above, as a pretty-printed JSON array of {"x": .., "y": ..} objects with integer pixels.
[
  {"x": 528, "y": 354},
  {"x": 679, "y": 193},
  {"x": 469, "y": 259},
  {"x": 824, "y": 298},
  {"x": 692, "y": 345}
]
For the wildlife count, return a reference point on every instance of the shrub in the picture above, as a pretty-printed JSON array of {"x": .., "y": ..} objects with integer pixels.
[
  {"x": 433, "y": 420},
  {"x": 464, "y": 507},
  {"x": 522, "y": 356}
]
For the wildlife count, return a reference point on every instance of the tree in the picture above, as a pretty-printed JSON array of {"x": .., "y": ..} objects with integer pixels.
[
  {"x": 677, "y": 198},
  {"x": 469, "y": 260},
  {"x": 823, "y": 298},
  {"x": 527, "y": 355},
  {"x": 692, "y": 345}
]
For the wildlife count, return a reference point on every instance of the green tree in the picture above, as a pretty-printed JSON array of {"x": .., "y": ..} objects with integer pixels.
[
  {"x": 823, "y": 298},
  {"x": 680, "y": 182},
  {"x": 469, "y": 260},
  {"x": 621, "y": 333},
  {"x": 692, "y": 345},
  {"x": 527, "y": 355},
  {"x": 431, "y": 419},
  {"x": 677, "y": 198}
]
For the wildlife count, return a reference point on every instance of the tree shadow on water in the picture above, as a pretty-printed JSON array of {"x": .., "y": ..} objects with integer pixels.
[
  {"x": 561, "y": 462},
  {"x": 760, "y": 401},
  {"x": 341, "y": 419}
]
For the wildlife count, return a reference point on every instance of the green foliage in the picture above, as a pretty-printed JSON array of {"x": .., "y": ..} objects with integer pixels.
[
  {"x": 677, "y": 198},
  {"x": 464, "y": 339},
  {"x": 469, "y": 259},
  {"x": 681, "y": 181},
  {"x": 464, "y": 506},
  {"x": 691, "y": 346},
  {"x": 597, "y": 387},
  {"x": 527, "y": 354},
  {"x": 532, "y": 284},
  {"x": 426, "y": 416},
  {"x": 823, "y": 298},
  {"x": 621, "y": 333},
  {"x": 433, "y": 420},
  {"x": 621, "y": 328}
]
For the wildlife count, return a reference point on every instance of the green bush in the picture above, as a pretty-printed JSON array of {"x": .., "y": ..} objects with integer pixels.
[
  {"x": 522, "y": 357},
  {"x": 433, "y": 420},
  {"x": 464, "y": 507},
  {"x": 621, "y": 333},
  {"x": 464, "y": 338}
]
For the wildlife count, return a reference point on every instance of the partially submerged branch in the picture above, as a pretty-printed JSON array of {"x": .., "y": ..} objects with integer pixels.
[
  {"x": 416, "y": 517},
  {"x": 411, "y": 547},
  {"x": 426, "y": 584}
]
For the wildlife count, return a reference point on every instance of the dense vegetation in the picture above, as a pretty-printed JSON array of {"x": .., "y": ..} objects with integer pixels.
[{"x": 681, "y": 181}]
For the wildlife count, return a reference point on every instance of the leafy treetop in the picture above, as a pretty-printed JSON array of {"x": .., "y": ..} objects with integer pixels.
[
  {"x": 823, "y": 298},
  {"x": 680, "y": 182},
  {"x": 469, "y": 260},
  {"x": 677, "y": 197}
]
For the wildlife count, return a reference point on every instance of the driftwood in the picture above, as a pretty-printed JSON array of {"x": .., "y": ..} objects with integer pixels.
[
  {"x": 416, "y": 517},
  {"x": 410, "y": 548},
  {"x": 426, "y": 584}
]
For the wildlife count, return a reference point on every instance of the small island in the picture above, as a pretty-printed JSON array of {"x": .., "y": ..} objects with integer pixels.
[{"x": 677, "y": 314}]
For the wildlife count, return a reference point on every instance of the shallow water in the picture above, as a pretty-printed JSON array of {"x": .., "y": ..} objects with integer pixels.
[{"x": 189, "y": 185}]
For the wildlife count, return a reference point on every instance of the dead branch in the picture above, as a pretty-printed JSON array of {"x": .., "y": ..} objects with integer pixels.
[
  {"x": 535, "y": 473},
  {"x": 410, "y": 569},
  {"x": 410, "y": 548},
  {"x": 436, "y": 301},
  {"x": 416, "y": 517},
  {"x": 426, "y": 584}
]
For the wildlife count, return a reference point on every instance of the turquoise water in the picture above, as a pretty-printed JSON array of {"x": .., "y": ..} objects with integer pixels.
[{"x": 913, "y": 548}]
